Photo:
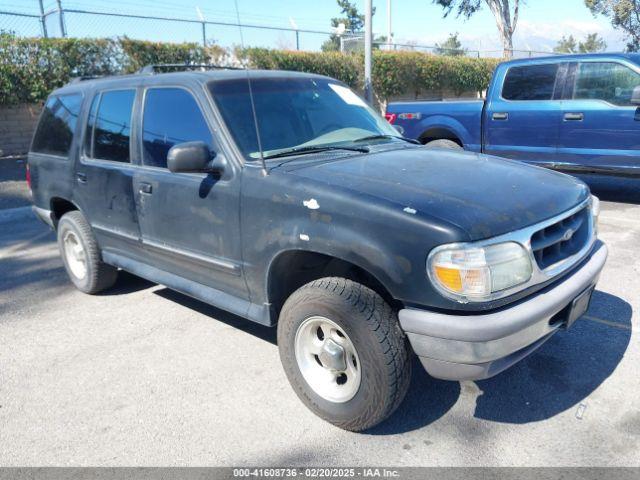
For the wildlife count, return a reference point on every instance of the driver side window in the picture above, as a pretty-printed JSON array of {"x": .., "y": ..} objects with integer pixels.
[
  {"x": 607, "y": 81},
  {"x": 171, "y": 116}
]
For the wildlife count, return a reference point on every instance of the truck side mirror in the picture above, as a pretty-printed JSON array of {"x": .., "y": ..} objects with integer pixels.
[
  {"x": 635, "y": 96},
  {"x": 194, "y": 157}
]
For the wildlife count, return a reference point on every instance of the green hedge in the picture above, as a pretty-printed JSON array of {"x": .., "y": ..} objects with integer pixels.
[
  {"x": 394, "y": 73},
  {"x": 31, "y": 67}
]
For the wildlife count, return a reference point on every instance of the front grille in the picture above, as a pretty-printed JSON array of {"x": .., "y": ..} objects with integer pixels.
[{"x": 561, "y": 240}]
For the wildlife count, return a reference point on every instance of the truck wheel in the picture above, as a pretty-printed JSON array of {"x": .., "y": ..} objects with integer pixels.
[
  {"x": 81, "y": 255},
  {"x": 443, "y": 143},
  {"x": 344, "y": 353}
]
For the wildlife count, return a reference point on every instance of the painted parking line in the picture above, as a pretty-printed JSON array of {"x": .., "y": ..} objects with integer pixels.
[{"x": 607, "y": 322}]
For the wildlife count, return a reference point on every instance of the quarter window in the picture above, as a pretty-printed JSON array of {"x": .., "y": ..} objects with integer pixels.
[
  {"x": 532, "y": 82},
  {"x": 171, "y": 116},
  {"x": 57, "y": 125},
  {"x": 611, "y": 82},
  {"x": 112, "y": 130}
]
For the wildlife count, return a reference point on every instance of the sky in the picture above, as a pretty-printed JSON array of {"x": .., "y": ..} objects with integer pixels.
[{"x": 542, "y": 22}]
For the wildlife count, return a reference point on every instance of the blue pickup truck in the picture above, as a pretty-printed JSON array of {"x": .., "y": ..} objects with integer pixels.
[{"x": 575, "y": 113}]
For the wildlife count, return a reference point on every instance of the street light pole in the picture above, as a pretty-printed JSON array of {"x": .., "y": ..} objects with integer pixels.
[
  {"x": 389, "y": 39},
  {"x": 368, "y": 89}
]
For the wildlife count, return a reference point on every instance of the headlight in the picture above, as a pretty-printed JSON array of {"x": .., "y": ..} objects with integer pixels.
[
  {"x": 475, "y": 273},
  {"x": 595, "y": 212}
]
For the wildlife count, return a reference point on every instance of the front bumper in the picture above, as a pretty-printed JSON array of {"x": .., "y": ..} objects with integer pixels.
[{"x": 473, "y": 347}]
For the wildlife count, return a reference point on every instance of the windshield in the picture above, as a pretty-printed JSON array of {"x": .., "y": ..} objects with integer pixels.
[{"x": 296, "y": 113}]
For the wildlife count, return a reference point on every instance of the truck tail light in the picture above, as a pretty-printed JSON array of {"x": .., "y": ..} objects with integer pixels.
[
  {"x": 391, "y": 117},
  {"x": 28, "y": 177}
]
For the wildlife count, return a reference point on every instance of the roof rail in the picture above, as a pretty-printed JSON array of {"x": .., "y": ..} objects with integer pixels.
[
  {"x": 84, "y": 78},
  {"x": 158, "y": 68}
]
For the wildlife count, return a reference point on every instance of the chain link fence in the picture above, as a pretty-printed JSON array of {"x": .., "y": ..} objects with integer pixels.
[{"x": 80, "y": 23}]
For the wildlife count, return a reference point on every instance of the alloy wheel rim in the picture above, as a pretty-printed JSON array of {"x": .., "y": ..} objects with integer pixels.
[
  {"x": 75, "y": 255},
  {"x": 327, "y": 359}
]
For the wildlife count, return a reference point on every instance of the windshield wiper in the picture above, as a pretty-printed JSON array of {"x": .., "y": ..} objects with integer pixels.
[
  {"x": 378, "y": 137},
  {"x": 311, "y": 149}
]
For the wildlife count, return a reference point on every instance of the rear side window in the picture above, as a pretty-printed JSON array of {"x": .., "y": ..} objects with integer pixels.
[
  {"x": 171, "y": 116},
  {"x": 57, "y": 124},
  {"x": 532, "y": 82},
  {"x": 109, "y": 126},
  {"x": 611, "y": 82}
]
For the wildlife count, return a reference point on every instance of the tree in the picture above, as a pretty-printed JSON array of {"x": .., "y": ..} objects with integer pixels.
[
  {"x": 451, "y": 46},
  {"x": 623, "y": 14},
  {"x": 591, "y": 44},
  {"x": 566, "y": 45},
  {"x": 353, "y": 22},
  {"x": 506, "y": 21}
]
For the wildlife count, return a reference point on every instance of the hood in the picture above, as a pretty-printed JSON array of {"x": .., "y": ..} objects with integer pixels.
[{"x": 483, "y": 195}]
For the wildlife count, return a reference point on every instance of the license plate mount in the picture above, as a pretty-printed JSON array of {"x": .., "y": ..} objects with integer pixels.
[{"x": 579, "y": 307}]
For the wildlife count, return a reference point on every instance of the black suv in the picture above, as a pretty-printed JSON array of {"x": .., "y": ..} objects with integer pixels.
[{"x": 282, "y": 197}]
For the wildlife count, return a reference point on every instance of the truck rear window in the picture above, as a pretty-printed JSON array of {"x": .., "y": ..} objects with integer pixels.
[
  {"x": 57, "y": 124},
  {"x": 531, "y": 82}
]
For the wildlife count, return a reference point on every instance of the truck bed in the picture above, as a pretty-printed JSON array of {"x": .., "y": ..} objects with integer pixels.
[{"x": 427, "y": 120}]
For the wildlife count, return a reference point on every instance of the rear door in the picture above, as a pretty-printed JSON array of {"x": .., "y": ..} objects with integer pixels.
[
  {"x": 522, "y": 120},
  {"x": 189, "y": 221},
  {"x": 104, "y": 175},
  {"x": 600, "y": 128},
  {"x": 53, "y": 149}
]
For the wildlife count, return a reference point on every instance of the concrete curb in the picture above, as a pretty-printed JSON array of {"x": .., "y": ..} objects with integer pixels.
[{"x": 16, "y": 214}]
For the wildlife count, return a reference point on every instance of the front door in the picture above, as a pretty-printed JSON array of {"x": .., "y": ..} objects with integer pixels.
[
  {"x": 600, "y": 127},
  {"x": 189, "y": 221},
  {"x": 522, "y": 121}
]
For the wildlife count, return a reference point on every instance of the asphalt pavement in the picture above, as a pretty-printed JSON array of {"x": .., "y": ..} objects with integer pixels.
[{"x": 144, "y": 376}]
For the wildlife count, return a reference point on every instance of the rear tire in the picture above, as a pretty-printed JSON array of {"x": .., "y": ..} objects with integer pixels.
[
  {"x": 81, "y": 255},
  {"x": 375, "y": 354},
  {"x": 443, "y": 143}
]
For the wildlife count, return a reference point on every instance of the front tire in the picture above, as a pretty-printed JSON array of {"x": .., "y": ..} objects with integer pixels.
[
  {"x": 344, "y": 353},
  {"x": 81, "y": 255},
  {"x": 443, "y": 143}
]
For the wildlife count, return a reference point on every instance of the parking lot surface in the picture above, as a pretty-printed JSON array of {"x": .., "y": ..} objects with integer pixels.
[{"x": 142, "y": 375}]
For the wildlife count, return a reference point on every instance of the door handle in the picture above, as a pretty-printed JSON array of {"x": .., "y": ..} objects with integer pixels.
[
  {"x": 574, "y": 117},
  {"x": 500, "y": 116},
  {"x": 146, "y": 188},
  {"x": 81, "y": 177}
]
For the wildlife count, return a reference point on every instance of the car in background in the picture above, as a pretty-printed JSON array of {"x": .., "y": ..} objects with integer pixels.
[{"x": 575, "y": 113}]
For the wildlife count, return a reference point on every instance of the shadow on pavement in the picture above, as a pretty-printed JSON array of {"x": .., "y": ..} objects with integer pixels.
[
  {"x": 613, "y": 189},
  {"x": 427, "y": 400},
  {"x": 127, "y": 283},
  {"x": 564, "y": 371},
  {"x": 560, "y": 375},
  {"x": 267, "y": 334}
]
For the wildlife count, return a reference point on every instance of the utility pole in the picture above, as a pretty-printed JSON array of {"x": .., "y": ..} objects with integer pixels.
[
  {"x": 294, "y": 25},
  {"x": 368, "y": 37},
  {"x": 63, "y": 32},
  {"x": 204, "y": 27},
  {"x": 43, "y": 21},
  {"x": 389, "y": 38}
]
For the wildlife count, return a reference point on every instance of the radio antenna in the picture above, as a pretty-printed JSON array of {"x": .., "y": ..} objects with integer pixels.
[{"x": 253, "y": 105}]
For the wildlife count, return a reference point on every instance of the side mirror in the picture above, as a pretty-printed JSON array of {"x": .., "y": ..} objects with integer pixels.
[
  {"x": 399, "y": 128},
  {"x": 635, "y": 96},
  {"x": 194, "y": 157}
]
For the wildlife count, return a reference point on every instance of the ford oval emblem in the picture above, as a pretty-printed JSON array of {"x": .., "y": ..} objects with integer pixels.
[{"x": 568, "y": 234}]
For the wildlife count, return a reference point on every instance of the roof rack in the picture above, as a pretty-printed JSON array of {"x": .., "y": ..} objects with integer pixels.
[
  {"x": 84, "y": 78},
  {"x": 158, "y": 68}
]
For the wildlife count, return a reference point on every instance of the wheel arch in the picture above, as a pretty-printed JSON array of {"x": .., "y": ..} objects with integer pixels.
[
  {"x": 59, "y": 206},
  {"x": 291, "y": 269}
]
